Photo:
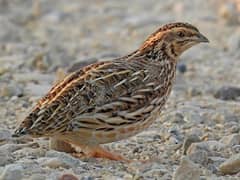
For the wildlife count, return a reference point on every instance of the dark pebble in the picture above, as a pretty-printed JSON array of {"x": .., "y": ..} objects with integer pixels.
[
  {"x": 182, "y": 68},
  {"x": 68, "y": 177},
  {"x": 227, "y": 93}
]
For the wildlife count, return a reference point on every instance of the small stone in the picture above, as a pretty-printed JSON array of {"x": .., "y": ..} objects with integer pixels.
[
  {"x": 228, "y": 93},
  {"x": 60, "y": 75},
  {"x": 9, "y": 147},
  {"x": 37, "y": 89},
  {"x": 68, "y": 177},
  {"x": 88, "y": 178},
  {"x": 231, "y": 166},
  {"x": 54, "y": 17},
  {"x": 214, "y": 145},
  {"x": 9, "y": 90},
  {"x": 4, "y": 69},
  {"x": 56, "y": 159},
  {"x": 188, "y": 141},
  {"x": 5, "y": 135},
  {"x": 193, "y": 91},
  {"x": 36, "y": 10},
  {"x": 187, "y": 170},
  {"x": 235, "y": 129},
  {"x": 178, "y": 118},
  {"x": 233, "y": 42},
  {"x": 12, "y": 172},
  {"x": 217, "y": 160},
  {"x": 228, "y": 11},
  {"x": 151, "y": 169},
  {"x": 11, "y": 32},
  {"x": 29, "y": 152},
  {"x": 128, "y": 177},
  {"x": 39, "y": 62},
  {"x": 193, "y": 117},
  {"x": 199, "y": 152},
  {"x": 5, "y": 159},
  {"x": 231, "y": 140},
  {"x": 53, "y": 163},
  {"x": 182, "y": 68},
  {"x": 236, "y": 148},
  {"x": 37, "y": 177},
  {"x": 35, "y": 77}
]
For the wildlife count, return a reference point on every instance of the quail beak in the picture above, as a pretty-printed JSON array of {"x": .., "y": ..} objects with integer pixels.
[{"x": 201, "y": 38}]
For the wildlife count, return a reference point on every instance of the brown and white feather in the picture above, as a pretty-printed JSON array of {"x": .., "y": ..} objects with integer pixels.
[{"x": 111, "y": 100}]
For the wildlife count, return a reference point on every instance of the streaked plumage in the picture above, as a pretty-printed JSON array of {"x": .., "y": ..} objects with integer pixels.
[{"x": 112, "y": 100}]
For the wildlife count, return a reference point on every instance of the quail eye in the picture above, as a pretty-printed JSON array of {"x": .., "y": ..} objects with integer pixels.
[{"x": 180, "y": 34}]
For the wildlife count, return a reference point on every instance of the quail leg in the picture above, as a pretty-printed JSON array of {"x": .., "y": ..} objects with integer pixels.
[
  {"x": 88, "y": 151},
  {"x": 99, "y": 152}
]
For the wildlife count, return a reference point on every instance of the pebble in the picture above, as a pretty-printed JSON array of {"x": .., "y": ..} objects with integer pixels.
[
  {"x": 236, "y": 148},
  {"x": 9, "y": 90},
  {"x": 233, "y": 42},
  {"x": 68, "y": 177},
  {"x": 37, "y": 89},
  {"x": 231, "y": 140},
  {"x": 234, "y": 129},
  {"x": 35, "y": 77},
  {"x": 187, "y": 170},
  {"x": 37, "y": 177},
  {"x": 152, "y": 169},
  {"x": 10, "y": 147},
  {"x": 193, "y": 91},
  {"x": 5, "y": 158},
  {"x": 60, "y": 75},
  {"x": 214, "y": 145},
  {"x": 188, "y": 141},
  {"x": 54, "y": 163},
  {"x": 54, "y": 17},
  {"x": 11, "y": 32},
  {"x": 5, "y": 135},
  {"x": 231, "y": 166},
  {"x": 200, "y": 152},
  {"x": 182, "y": 68},
  {"x": 228, "y": 93},
  {"x": 228, "y": 11},
  {"x": 178, "y": 118},
  {"x": 56, "y": 159},
  {"x": 12, "y": 172},
  {"x": 40, "y": 62},
  {"x": 216, "y": 160},
  {"x": 29, "y": 152},
  {"x": 193, "y": 118}
]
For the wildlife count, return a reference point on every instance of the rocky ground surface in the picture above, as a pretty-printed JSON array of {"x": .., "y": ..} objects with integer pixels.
[{"x": 198, "y": 134}]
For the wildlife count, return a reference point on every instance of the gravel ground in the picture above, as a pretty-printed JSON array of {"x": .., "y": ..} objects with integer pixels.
[{"x": 198, "y": 134}]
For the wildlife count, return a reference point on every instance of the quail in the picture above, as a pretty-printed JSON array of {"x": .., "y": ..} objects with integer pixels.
[{"x": 112, "y": 100}]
